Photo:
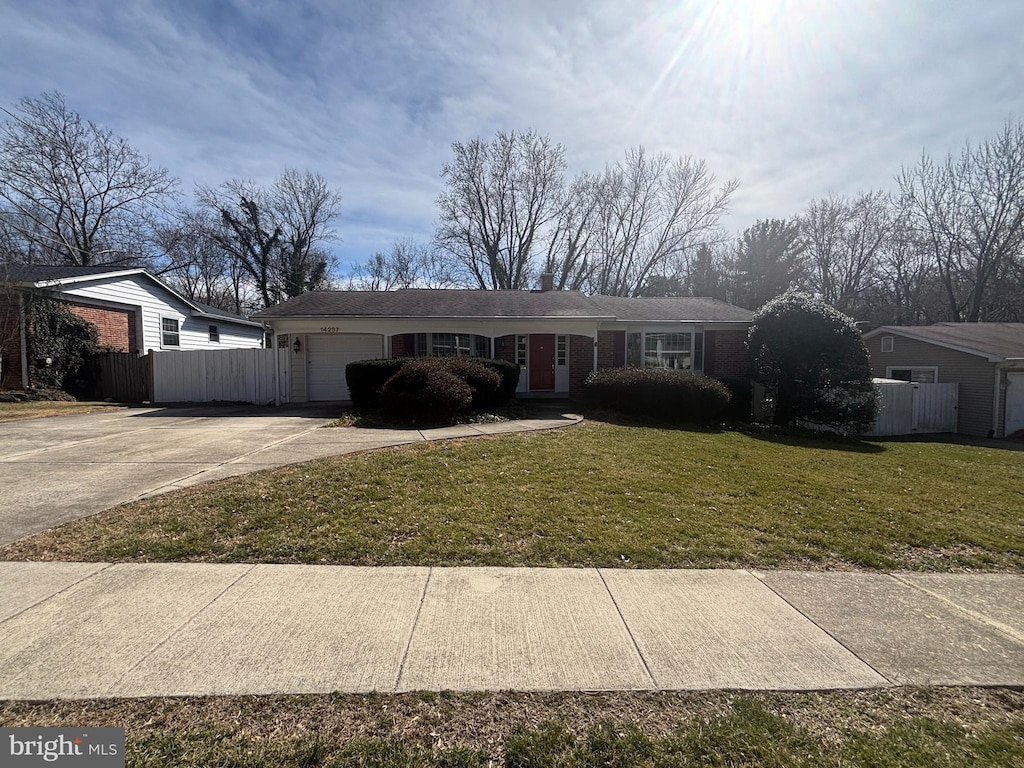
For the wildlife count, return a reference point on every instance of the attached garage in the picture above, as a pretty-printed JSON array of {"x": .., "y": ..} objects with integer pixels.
[{"x": 326, "y": 358}]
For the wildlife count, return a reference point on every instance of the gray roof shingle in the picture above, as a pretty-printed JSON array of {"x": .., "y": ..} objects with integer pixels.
[
  {"x": 36, "y": 273},
  {"x": 1000, "y": 339},
  {"x": 452, "y": 303}
]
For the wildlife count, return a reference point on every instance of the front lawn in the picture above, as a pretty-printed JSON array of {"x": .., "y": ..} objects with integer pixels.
[
  {"x": 894, "y": 728},
  {"x": 594, "y": 495},
  {"x": 41, "y": 408}
]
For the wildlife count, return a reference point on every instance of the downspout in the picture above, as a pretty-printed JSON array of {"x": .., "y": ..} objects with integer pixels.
[
  {"x": 997, "y": 428},
  {"x": 22, "y": 323}
]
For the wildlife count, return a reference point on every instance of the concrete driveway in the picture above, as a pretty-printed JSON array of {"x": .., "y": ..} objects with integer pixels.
[{"x": 58, "y": 469}]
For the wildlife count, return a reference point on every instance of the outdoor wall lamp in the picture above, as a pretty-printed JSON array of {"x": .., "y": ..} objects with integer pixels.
[{"x": 297, "y": 346}]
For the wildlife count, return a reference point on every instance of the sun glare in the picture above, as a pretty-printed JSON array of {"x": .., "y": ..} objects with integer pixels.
[{"x": 741, "y": 46}]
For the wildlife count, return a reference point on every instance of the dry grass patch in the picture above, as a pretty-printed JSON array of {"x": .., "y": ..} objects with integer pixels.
[
  {"x": 42, "y": 408},
  {"x": 594, "y": 495},
  {"x": 893, "y": 727}
]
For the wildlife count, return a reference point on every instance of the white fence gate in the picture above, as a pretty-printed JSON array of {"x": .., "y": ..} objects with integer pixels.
[
  {"x": 204, "y": 376},
  {"x": 908, "y": 408}
]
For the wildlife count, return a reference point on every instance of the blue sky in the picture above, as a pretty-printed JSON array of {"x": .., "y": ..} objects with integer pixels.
[{"x": 795, "y": 98}]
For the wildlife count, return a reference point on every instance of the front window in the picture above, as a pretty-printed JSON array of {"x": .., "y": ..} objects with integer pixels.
[
  {"x": 482, "y": 345},
  {"x": 923, "y": 375},
  {"x": 633, "y": 347},
  {"x": 214, "y": 334},
  {"x": 668, "y": 350},
  {"x": 521, "y": 350},
  {"x": 170, "y": 335},
  {"x": 561, "y": 350},
  {"x": 450, "y": 344}
]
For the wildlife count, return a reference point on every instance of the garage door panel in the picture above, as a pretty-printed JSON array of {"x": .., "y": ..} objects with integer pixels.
[{"x": 326, "y": 358}]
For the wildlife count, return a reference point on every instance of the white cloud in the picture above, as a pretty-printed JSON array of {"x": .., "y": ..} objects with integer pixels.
[{"x": 793, "y": 98}]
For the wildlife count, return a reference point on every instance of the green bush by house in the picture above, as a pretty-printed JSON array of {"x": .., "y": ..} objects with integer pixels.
[
  {"x": 426, "y": 389},
  {"x": 422, "y": 389},
  {"x": 366, "y": 378},
  {"x": 674, "y": 396}
]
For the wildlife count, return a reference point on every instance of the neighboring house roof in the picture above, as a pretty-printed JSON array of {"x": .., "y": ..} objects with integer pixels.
[
  {"x": 43, "y": 273},
  {"x": 454, "y": 303},
  {"x": 996, "y": 341},
  {"x": 54, "y": 276}
]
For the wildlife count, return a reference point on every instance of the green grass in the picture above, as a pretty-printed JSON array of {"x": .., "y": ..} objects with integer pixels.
[
  {"x": 594, "y": 495},
  {"x": 896, "y": 728},
  {"x": 42, "y": 408}
]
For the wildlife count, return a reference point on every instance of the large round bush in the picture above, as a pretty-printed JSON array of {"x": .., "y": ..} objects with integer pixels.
[
  {"x": 813, "y": 364},
  {"x": 425, "y": 390}
]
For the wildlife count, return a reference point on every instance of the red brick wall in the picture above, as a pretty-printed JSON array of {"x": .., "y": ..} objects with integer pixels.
[
  {"x": 726, "y": 355},
  {"x": 505, "y": 348},
  {"x": 581, "y": 362},
  {"x": 611, "y": 349},
  {"x": 403, "y": 345},
  {"x": 116, "y": 327}
]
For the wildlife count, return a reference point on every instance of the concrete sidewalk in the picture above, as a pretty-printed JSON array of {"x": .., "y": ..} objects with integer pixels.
[{"x": 72, "y": 630}]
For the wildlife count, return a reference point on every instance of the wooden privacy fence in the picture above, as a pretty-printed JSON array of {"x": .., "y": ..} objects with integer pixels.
[
  {"x": 195, "y": 376},
  {"x": 908, "y": 408},
  {"x": 122, "y": 376}
]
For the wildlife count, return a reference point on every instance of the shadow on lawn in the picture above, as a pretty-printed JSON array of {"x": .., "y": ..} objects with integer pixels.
[
  {"x": 806, "y": 438},
  {"x": 800, "y": 438}
]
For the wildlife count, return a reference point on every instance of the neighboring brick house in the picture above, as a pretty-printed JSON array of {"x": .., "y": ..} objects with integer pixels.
[
  {"x": 132, "y": 310},
  {"x": 558, "y": 337},
  {"x": 986, "y": 360}
]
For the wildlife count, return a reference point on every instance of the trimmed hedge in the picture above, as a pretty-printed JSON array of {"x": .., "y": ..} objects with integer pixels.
[
  {"x": 428, "y": 389},
  {"x": 484, "y": 381},
  {"x": 509, "y": 373},
  {"x": 674, "y": 396},
  {"x": 366, "y": 378}
]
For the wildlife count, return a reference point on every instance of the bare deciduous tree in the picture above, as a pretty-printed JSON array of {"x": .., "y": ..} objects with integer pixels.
[
  {"x": 844, "y": 237},
  {"x": 649, "y": 210},
  {"x": 570, "y": 253},
  {"x": 199, "y": 268},
  {"x": 409, "y": 264},
  {"x": 969, "y": 211},
  {"x": 276, "y": 236},
  {"x": 75, "y": 190},
  {"x": 499, "y": 197}
]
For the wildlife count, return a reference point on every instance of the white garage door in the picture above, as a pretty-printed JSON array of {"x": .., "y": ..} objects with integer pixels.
[
  {"x": 1014, "y": 402},
  {"x": 326, "y": 358}
]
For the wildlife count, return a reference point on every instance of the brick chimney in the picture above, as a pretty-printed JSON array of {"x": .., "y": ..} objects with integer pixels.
[{"x": 547, "y": 282}]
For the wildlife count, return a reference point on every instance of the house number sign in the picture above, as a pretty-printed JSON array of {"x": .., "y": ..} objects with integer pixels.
[{"x": 330, "y": 329}]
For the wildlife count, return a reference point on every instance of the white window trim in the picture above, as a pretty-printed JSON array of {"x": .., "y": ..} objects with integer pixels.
[
  {"x": 891, "y": 343},
  {"x": 933, "y": 368},
  {"x": 669, "y": 329},
  {"x": 213, "y": 330},
  {"x": 177, "y": 320}
]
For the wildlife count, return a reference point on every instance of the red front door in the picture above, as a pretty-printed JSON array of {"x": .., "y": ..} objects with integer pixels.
[{"x": 542, "y": 362}]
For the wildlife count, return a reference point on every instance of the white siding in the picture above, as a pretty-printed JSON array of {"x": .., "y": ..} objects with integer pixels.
[{"x": 153, "y": 302}]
